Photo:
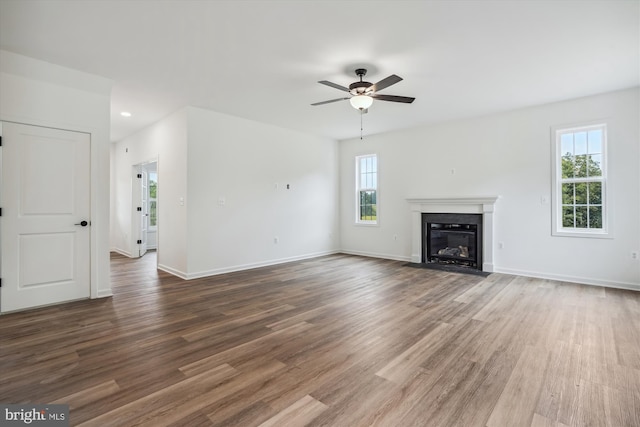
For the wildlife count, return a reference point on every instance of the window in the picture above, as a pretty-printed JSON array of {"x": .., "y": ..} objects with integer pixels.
[
  {"x": 580, "y": 181},
  {"x": 367, "y": 189},
  {"x": 153, "y": 202}
]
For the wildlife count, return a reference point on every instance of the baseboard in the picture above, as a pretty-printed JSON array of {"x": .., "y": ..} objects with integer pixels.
[
  {"x": 376, "y": 255},
  {"x": 170, "y": 270},
  {"x": 571, "y": 279},
  {"x": 243, "y": 267},
  {"x": 121, "y": 252}
]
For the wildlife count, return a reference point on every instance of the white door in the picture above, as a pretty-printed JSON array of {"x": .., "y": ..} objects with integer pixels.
[
  {"x": 45, "y": 223},
  {"x": 139, "y": 202},
  {"x": 144, "y": 217}
]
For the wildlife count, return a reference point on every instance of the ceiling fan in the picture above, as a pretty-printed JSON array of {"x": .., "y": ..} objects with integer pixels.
[{"x": 363, "y": 93}]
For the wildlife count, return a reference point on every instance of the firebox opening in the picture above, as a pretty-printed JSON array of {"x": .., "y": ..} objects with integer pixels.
[
  {"x": 453, "y": 244},
  {"x": 452, "y": 239}
]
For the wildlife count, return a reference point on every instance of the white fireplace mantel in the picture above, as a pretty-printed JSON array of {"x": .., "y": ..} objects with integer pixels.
[{"x": 480, "y": 205}]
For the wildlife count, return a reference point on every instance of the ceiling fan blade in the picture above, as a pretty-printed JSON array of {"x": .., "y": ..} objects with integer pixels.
[
  {"x": 394, "y": 98},
  {"x": 330, "y": 101},
  {"x": 384, "y": 83},
  {"x": 334, "y": 85}
]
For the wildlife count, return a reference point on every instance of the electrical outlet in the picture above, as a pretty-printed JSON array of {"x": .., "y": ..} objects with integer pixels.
[
  {"x": 634, "y": 255},
  {"x": 500, "y": 245},
  {"x": 395, "y": 237},
  {"x": 276, "y": 240}
]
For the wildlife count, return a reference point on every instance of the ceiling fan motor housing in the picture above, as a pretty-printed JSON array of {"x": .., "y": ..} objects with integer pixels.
[{"x": 360, "y": 88}]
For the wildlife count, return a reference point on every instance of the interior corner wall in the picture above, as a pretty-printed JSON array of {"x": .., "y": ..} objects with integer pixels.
[
  {"x": 258, "y": 194},
  {"x": 508, "y": 155},
  {"x": 166, "y": 142},
  {"x": 38, "y": 93}
]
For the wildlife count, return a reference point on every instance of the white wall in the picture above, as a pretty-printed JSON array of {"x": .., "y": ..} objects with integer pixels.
[
  {"x": 166, "y": 142},
  {"x": 204, "y": 156},
  {"x": 241, "y": 161},
  {"x": 38, "y": 93},
  {"x": 508, "y": 155}
]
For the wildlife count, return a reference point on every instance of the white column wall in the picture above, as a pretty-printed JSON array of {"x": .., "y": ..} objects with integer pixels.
[{"x": 241, "y": 213}]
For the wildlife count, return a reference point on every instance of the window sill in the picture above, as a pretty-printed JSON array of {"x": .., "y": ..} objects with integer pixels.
[
  {"x": 584, "y": 234},
  {"x": 367, "y": 224}
]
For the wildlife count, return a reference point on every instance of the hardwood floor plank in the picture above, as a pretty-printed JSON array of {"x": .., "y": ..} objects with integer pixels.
[
  {"x": 540, "y": 421},
  {"x": 239, "y": 321},
  {"x": 405, "y": 365},
  {"x": 241, "y": 413},
  {"x": 256, "y": 348},
  {"x": 439, "y": 404},
  {"x": 627, "y": 339},
  {"x": 620, "y": 409},
  {"x": 485, "y": 290},
  {"x": 590, "y": 408},
  {"x": 89, "y": 395},
  {"x": 479, "y": 395},
  {"x": 351, "y": 397},
  {"x": 519, "y": 397},
  {"x": 560, "y": 385},
  {"x": 301, "y": 413}
]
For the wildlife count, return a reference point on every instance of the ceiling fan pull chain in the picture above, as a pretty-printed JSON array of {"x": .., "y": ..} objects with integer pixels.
[{"x": 361, "y": 114}]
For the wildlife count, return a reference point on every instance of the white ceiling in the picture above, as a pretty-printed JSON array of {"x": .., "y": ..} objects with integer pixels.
[{"x": 262, "y": 59}]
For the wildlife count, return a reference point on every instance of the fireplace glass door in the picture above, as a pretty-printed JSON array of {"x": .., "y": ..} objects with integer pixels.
[
  {"x": 453, "y": 243},
  {"x": 454, "y": 239}
]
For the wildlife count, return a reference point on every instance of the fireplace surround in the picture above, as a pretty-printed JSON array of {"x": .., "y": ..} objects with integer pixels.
[{"x": 483, "y": 206}]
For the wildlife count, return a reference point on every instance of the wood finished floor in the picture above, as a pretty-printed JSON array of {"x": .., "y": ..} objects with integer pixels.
[{"x": 334, "y": 341}]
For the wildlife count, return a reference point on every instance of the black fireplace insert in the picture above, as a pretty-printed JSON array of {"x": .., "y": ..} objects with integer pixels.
[{"x": 452, "y": 239}]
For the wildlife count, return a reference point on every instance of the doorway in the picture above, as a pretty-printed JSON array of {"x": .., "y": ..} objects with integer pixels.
[{"x": 145, "y": 208}]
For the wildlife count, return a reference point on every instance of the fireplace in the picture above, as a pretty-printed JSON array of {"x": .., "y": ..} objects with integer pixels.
[
  {"x": 452, "y": 239},
  {"x": 483, "y": 206}
]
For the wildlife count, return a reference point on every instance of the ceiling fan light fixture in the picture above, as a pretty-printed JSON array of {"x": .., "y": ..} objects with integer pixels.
[{"x": 361, "y": 102}]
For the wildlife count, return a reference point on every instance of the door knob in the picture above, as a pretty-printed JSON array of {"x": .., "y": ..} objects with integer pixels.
[{"x": 82, "y": 223}]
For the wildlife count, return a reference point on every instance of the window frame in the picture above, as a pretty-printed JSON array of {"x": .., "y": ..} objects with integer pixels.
[
  {"x": 557, "y": 180},
  {"x": 359, "y": 188},
  {"x": 150, "y": 199}
]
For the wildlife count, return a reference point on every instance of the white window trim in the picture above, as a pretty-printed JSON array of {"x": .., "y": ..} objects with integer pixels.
[
  {"x": 556, "y": 192},
  {"x": 358, "y": 221}
]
